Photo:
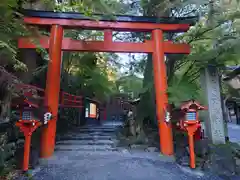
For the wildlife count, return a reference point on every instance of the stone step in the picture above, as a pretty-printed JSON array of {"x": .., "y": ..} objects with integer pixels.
[
  {"x": 112, "y": 124},
  {"x": 88, "y": 150},
  {"x": 94, "y": 130},
  {"x": 97, "y": 127},
  {"x": 84, "y": 147},
  {"x": 85, "y": 142},
  {"x": 88, "y": 144},
  {"x": 86, "y": 138},
  {"x": 90, "y": 134},
  {"x": 108, "y": 125}
]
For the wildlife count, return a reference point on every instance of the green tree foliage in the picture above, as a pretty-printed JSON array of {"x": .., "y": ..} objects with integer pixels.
[
  {"x": 85, "y": 73},
  {"x": 90, "y": 74},
  {"x": 99, "y": 76},
  {"x": 214, "y": 43},
  {"x": 11, "y": 27},
  {"x": 89, "y": 7},
  {"x": 146, "y": 107},
  {"x": 130, "y": 84},
  {"x": 217, "y": 42}
]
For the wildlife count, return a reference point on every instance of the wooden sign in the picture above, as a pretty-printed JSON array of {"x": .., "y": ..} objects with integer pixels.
[{"x": 93, "y": 110}]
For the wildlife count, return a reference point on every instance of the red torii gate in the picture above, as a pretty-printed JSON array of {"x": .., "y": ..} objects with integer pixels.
[{"x": 57, "y": 43}]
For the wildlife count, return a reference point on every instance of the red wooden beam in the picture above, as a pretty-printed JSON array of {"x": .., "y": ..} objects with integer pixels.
[
  {"x": 52, "y": 90},
  {"x": 101, "y": 46},
  {"x": 100, "y": 25},
  {"x": 70, "y": 106},
  {"x": 108, "y": 35},
  {"x": 160, "y": 83},
  {"x": 172, "y": 48}
]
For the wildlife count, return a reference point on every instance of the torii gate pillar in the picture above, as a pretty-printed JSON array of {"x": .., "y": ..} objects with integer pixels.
[
  {"x": 52, "y": 90},
  {"x": 160, "y": 82}
]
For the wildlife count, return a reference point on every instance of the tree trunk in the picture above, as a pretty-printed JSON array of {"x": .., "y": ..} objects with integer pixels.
[
  {"x": 132, "y": 127},
  {"x": 5, "y": 108},
  {"x": 7, "y": 81},
  {"x": 29, "y": 58}
]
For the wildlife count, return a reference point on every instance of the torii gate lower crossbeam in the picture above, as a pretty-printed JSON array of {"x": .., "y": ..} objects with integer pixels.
[{"x": 56, "y": 43}]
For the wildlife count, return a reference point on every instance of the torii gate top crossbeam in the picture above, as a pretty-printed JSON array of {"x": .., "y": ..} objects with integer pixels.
[
  {"x": 99, "y": 22},
  {"x": 121, "y": 23}
]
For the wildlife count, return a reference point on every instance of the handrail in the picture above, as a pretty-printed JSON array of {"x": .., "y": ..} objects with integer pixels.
[{"x": 66, "y": 100}]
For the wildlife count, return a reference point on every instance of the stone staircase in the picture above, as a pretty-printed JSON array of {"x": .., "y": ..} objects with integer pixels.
[{"x": 90, "y": 138}]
